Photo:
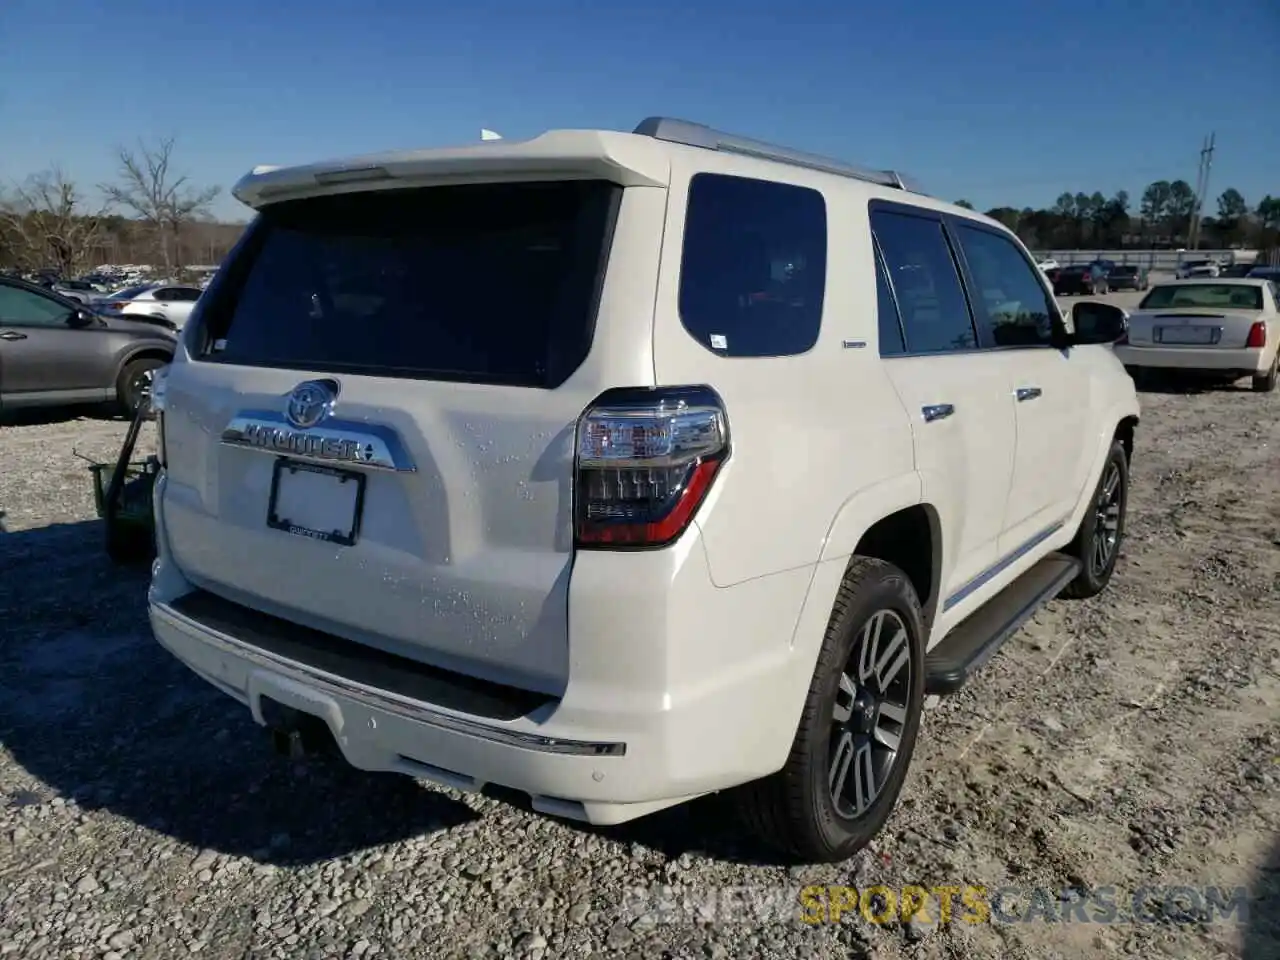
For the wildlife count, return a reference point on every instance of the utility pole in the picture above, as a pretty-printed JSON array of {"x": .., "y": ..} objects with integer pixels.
[{"x": 1202, "y": 190}]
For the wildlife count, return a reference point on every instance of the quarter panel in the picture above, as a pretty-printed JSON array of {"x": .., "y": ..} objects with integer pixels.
[{"x": 807, "y": 431}]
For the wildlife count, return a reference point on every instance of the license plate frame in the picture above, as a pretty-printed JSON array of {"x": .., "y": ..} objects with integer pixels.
[
  {"x": 286, "y": 466},
  {"x": 1198, "y": 335}
]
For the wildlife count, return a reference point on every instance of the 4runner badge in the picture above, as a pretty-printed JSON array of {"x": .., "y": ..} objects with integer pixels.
[{"x": 325, "y": 439}]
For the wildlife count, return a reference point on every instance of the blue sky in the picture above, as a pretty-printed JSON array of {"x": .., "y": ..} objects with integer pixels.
[{"x": 999, "y": 102}]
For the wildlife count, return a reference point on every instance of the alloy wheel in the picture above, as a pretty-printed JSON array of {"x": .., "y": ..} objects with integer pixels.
[
  {"x": 1106, "y": 516},
  {"x": 870, "y": 714}
]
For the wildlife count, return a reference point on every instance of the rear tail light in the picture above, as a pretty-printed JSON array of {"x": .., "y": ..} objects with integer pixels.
[
  {"x": 645, "y": 460},
  {"x": 1257, "y": 335}
]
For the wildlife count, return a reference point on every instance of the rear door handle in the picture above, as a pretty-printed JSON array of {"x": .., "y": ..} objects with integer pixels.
[
  {"x": 12, "y": 335},
  {"x": 937, "y": 411},
  {"x": 1028, "y": 393}
]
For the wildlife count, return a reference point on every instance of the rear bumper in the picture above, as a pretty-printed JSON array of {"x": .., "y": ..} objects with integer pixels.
[
  {"x": 677, "y": 688},
  {"x": 1208, "y": 359}
]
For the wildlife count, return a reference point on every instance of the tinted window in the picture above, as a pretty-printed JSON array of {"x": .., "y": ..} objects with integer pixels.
[
  {"x": 491, "y": 283},
  {"x": 891, "y": 341},
  {"x": 754, "y": 266},
  {"x": 163, "y": 294},
  {"x": 1241, "y": 296},
  {"x": 184, "y": 294},
  {"x": 935, "y": 314},
  {"x": 22, "y": 308},
  {"x": 1009, "y": 298}
]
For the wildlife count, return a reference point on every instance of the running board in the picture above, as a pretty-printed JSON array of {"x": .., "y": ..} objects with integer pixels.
[{"x": 973, "y": 642}]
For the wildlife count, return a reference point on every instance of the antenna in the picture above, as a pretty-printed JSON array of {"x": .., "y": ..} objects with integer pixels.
[{"x": 700, "y": 135}]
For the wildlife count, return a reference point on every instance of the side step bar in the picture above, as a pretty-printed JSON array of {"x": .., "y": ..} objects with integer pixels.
[{"x": 950, "y": 664}]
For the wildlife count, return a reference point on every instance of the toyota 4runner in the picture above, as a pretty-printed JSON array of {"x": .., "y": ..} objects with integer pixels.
[{"x": 623, "y": 468}]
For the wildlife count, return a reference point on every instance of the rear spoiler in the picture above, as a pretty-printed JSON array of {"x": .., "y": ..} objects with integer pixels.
[{"x": 622, "y": 158}]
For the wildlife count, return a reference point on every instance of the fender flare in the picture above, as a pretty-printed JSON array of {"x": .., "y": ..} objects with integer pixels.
[{"x": 1116, "y": 415}]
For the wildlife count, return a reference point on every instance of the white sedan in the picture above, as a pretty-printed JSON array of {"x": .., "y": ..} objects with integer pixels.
[
  {"x": 162, "y": 301},
  {"x": 1224, "y": 328}
]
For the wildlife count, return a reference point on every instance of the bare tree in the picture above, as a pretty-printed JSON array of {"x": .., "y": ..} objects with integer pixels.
[
  {"x": 149, "y": 188},
  {"x": 46, "y": 221}
]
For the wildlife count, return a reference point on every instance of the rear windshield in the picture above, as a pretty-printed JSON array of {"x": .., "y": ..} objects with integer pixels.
[
  {"x": 493, "y": 283},
  {"x": 1124, "y": 269},
  {"x": 1238, "y": 296}
]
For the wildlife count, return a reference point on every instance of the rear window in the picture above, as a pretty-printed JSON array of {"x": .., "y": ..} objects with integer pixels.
[
  {"x": 1124, "y": 270},
  {"x": 483, "y": 283},
  {"x": 754, "y": 266},
  {"x": 1238, "y": 296}
]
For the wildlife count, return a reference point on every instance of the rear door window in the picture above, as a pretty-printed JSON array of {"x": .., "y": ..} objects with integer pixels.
[
  {"x": 754, "y": 266},
  {"x": 484, "y": 283},
  {"x": 926, "y": 284}
]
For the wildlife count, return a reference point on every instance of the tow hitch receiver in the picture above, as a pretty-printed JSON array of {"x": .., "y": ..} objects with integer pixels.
[{"x": 295, "y": 733}]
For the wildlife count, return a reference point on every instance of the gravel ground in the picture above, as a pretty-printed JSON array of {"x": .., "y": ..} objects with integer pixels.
[{"x": 1125, "y": 742}]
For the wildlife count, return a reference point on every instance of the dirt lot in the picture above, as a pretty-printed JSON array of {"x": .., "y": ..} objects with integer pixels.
[{"x": 1126, "y": 743}]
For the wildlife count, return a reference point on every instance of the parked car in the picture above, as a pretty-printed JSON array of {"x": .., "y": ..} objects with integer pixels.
[
  {"x": 169, "y": 302},
  {"x": 55, "y": 351},
  {"x": 1235, "y": 270},
  {"x": 1048, "y": 264},
  {"x": 1264, "y": 273},
  {"x": 543, "y": 538},
  {"x": 1226, "y": 329},
  {"x": 1083, "y": 278},
  {"x": 79, "y": 290},
  {"x": 1196, "y": 268},
  {"x": 1125, "y": 277}
]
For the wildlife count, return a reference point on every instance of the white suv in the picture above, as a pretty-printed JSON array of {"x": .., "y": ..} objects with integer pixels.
[{"x": 621, "y": 468}]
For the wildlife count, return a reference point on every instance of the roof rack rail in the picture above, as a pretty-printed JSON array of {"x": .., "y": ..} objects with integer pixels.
[{"x": 693, "y": 134}]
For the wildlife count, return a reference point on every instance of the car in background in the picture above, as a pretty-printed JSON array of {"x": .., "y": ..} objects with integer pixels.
[
  {"x": 1222, "y": 329},
  {"x": 171, "y": 303},
  {"x": 1048, "y": 264},
  {"x": 55, "y": 351},
  {"x": 1126, "y": 277},
  {"x": 1264, "y": 273},
  {"x": 1197, "y": 268},
  {"x": 1235, "y": 270},
  {"x": 1089, "y": 279},
  {"x": 82, "y": 291}
]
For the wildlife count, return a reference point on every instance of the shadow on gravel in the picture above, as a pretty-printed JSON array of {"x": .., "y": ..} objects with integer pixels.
[
  {"x": 1262, "y": 940},
  {"x": 1186, "y": 385},
  {"x": 93, "y": 708},
  {"x": 706, "y": 827}
]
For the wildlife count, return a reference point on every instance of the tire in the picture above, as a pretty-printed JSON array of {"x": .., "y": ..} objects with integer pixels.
[
  {"x": 794, "y": 810},
  {"x": 1267, "y": 382},
  {"x": 130, "y": 395},
  {"x": 1097, "y": 543}
]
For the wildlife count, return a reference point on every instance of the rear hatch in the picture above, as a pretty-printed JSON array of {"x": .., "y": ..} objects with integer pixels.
[
  {"x": 443, "y": 337},
  {"x": 1197, "y": 315}
]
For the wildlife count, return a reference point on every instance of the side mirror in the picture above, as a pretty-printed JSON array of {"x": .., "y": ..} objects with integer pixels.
[
  {"x": 82, "y": 318},
  {"x": 1097, "y": 322}
]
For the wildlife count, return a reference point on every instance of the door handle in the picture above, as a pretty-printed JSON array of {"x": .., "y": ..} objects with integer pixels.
[
  {"x": 12, "y": 335},
  {"x": 937, "y": 411},
  {"x": 1028, "y": 393}
]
